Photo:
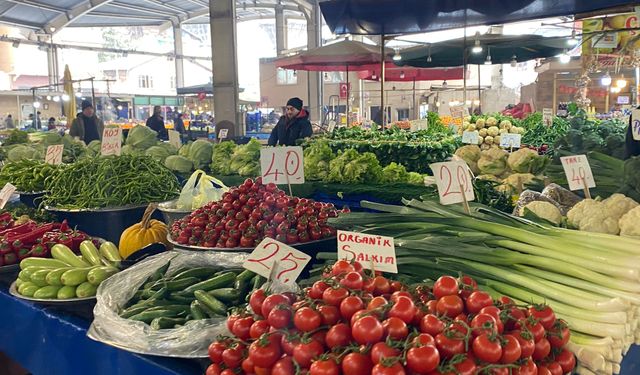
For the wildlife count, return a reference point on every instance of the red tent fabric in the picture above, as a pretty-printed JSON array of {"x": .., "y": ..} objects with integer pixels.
[{"x": 408, "y": 74}]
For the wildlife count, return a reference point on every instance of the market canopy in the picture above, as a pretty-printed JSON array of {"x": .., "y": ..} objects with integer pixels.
[
  {"x": 407, "y": 74},
  {"x": 376, "y": 17},
  {"x": 503, "y": 49},
  {"x": 337, "y": 57}
]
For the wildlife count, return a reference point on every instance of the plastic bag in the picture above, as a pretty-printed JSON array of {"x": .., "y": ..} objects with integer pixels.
[
  {"x": 529, "y": 196},
  {"x": 200, "y": 190},
  {"x": 188, "y": 341},
  {"x": 566, "y": 199}
]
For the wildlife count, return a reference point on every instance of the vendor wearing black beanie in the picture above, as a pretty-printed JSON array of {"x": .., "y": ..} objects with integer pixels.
[
  {"x": 292, "y": 126},
  {"x": 87, "y": 126}
]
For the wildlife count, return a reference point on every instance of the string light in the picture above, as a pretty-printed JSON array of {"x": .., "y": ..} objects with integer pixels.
[
  {"x": 397, "y": 56},
  {"x": 514, "y": 62},
  {"x": 477, "y": 47},
  {"x": 564, "y": 57},
  {"x": 606, "y": 79}
]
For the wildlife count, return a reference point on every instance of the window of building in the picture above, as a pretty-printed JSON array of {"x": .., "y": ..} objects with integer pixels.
[
  {"x": 403, "y": 113},
  {"x": 286, "y": 77},
  {"x": 145, "y": 82}
]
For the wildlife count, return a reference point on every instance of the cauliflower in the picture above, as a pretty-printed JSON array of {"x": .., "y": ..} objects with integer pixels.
[
  {"x": 485, "y": 147},
  {"x": 543, "y": 210},
  {"x": 492, "y": 161},
  {"x": 480, "y": 140},
  {"x": 481, "y": 132},
  {"x": 516, "y": 182},
  {"x": 527, "y": 161},
  {"x": 467, "y": 118},
  {"x": 471, "y": 127},
  {"x": 470, "y": 154},
  {"x": 516, "y": 130},
  {"x": 491, "y": 121},
  {"x": 488, "y": 177},
  {"x": 496, "y": 140},
  {"x": 618, "y": 205},
  {"x": 589, "y": 215},
  {"x": 488, "y": 140},
  {"x": 629, "y": 223},
  {"x": 505, "y": 124},
  {"x": 493, "y": 131},
  {"x": 503, "y": 131},
  {"x": 480, "y": 123}
]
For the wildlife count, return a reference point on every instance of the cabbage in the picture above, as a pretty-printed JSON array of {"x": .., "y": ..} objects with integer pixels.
[
  {"x": 129, "y": 150},
  {"x": 221, "y": 156},
  {"x": 184, "y": 150},
  {"x": 21, "y": 152},
  {"x": 178, "y": 164},
  {"x": 51, "y": 138},
  {"x": 171, "y": 149},
  {"x": 95, "y": 146},
  {"x": 158, "y": 153},
  {"x": 141, "y": 137},
  {"x": 200, "y": 153}
]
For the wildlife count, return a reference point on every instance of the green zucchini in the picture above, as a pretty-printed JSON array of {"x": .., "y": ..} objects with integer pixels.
[
  {"x": 42, "y": 262},
  {"x": 86, "y": 289},
  {"x": 28, "y": 289},
  {"x": 64, "y": 254},
  {"x": 53, "y": 277},
  {"x": 67, "y": 292},
  {"x": 100, "y": 274},
  {"x": 19, "y": 282},
  {"x": 47, "y": 292},
  {"x": 75, "y": 276},
  {"x": 220, "y": 281},
  {"x": 40, "y": 277},
  {"x": 90, "y": 253},
  {"x": 25, "y": 284},
  {"x": 211, "y": 302}
]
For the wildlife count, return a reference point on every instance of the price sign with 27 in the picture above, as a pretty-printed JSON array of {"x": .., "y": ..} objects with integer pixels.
[
  {"x": 282, "y": 165},
  {"x": 271, "y": 253},
  {"x": 578, "y": 172},
  {"x": 54, "y": 154},
  {"x": 453, "y": 179}
]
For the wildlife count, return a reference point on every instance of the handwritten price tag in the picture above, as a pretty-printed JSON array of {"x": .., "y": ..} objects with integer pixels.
[
  {"x": 547, "y": 116},
  {"x": 54, "y": 154},
  {"x": 271, "y": 253},
  {"x": 282, "y": 165},
  {"x": 6, "y": 193},
  {"x": 470, "y": 138},
  {"x": 111, "y": 141},
  {"x": 457, "y": 112},
  {"x": 368, "y": 250},
  {"x": 635, "y": 124},
  {"x": 508, "y": 140},
  {"x": 450, "y": 178},
  {"x": 578, "y": 172},
  {"x": 222, "y": 134},
  {"x": 174, "y": 139}
]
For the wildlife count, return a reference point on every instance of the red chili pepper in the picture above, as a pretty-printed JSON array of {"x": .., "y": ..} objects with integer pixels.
[
  {"x": 5, "y": 248},
  {"x": 31, "y": 237},
  {"x": 39, "y": 250},
  {"x": 77, "y": 237},
  {"x": 20, "y": 229},
  {"x": 64, "y": 227}
]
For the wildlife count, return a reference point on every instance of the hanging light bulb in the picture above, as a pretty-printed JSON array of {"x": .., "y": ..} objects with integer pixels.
[
  {"x": 573, "y": 41},
  {"x": 119, "y": 108},
  {"x": 397, "y": 56},
  {"x": 36, "y": 104},
  {"x": 48, "y": 97},
  {"x": 488, "y": 60},
  {"x": 477, "y": 47},
  {"x": 615, "y": 89},
  {"x": 65, "y": 97},
  {"x": 564, "y": 57},
  {"x": 606, "y": 79},
  {"x": 56, "y": 98},
  {"x": 444, "y": 84},
  {"x": 621, "y": 82},
  {"x": 514, "y": 62},
  {"x": 402, "y": 75},
  {"x": 429, "y": 59},
  {"x": 374, "y": 76},
  {"x": 295, "y": 73}
]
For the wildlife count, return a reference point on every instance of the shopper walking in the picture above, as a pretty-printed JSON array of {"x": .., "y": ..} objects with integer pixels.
[
  {"x": 8, "y": 122},
  {"x": 87, "y": 126},
  {"x": 156, "y": 122},
  {"x": 178, "y": 124},
  {"x": 292, "y": 126}
]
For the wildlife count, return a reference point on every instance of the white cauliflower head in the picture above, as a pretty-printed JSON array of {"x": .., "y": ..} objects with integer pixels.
[
  {"x": 493, "y": 131},
  {"x": 589, "y": 215},
  {"x": 618, "y": 205},
  {"x": 543, "y": 210},
  {"x": 628, "y": 223}
]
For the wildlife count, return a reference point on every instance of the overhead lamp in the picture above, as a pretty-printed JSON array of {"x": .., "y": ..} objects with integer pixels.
[
  {"x": 564, "y": 57},
  {"x": 514, "y": 62},
  {"x": 476, "y": 102},
  {"x": 606, "y": 79},
  {"x": 468, "y": 102},
  {"x": 36, "y": 104},
  {"x": 488, "y": 60},
  {"x": 65, "y": 97},
  {"x": 429, "y": 59},
  {"x": 444, "y": 84},
  {"x": 397, "y": 56},
  {"x": 477, "y": 47},
  {"x": 48, "y": 97},
  {"x": 402, "y": 75},
  {"x": 109, "y": 107},
  {"x": 374, "y": 76},
  {"x": 573, "y": 41},
  {"x": 438, "y": 104},
  {"x": 56, "y": 98},
  {"x": 615, "y": 89},
  {"x": 119, "y": 108},
  {"x": 621, "y": 82}
]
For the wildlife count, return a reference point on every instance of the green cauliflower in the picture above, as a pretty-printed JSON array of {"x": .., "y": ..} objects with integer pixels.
[
  {"x": 200, "y": 153},
  {"x": 527, "y": 161},
  {"x": 142, "y": 137}
]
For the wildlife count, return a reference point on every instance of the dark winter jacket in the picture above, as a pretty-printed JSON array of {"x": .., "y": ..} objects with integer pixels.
[
  {"x": 87, "y": 129},
  {"x": 288, "y": 131},
  {"x": 157, "y": 123}
]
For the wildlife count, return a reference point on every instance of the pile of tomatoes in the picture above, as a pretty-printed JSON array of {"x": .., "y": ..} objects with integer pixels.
[
  {"x": 252, "y": 211},
  {"x": 355, "y": 322}
]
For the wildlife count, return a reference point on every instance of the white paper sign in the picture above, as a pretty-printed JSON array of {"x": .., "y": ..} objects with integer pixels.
[
  {"x": 282, "y": 165},
  {"x": 271, "y": 253},
  {"x": 6, "y": 193},
  {"x": 509, "y": 140},
  {"x": 470, "y": 138},
  {"x": 547, "y": 116},
  {"x": 635, "y": 124},
  {"x": 458, "y": 111},
  {"x": 54, "y": 154},
  {"x": 450, "y": 177},
  {"x": 368, "y": 249},
  {"x": 577, "y": 170},
  {"x": 222, "y": 134},
  {"x": 111, "y": 141},
  {"x": 174, "y": 139}
]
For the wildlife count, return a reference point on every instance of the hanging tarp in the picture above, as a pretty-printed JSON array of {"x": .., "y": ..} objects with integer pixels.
[
  {"x": 337, "y": 57},
  {"x": 407, "y": 74},
  {"x": 375, "y": 17}
]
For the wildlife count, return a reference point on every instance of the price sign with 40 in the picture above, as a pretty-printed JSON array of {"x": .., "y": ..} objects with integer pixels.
[{"x": 282, "y": 165}]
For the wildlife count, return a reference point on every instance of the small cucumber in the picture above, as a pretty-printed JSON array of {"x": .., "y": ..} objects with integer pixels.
[
  {"x": 179, "y": 298},
  {"x": 63, "y": 253},
  {"x": 100, "y": 274},
  {"x": 53, "y": 277},
  {"x": 199, "y": 272},
  {"x": 196, "y": 311},
  {"x": 164, "y": 322},
  {"x": 109, "y": 251},
  {"x": 220, "y": 281},
  {"x": 225, "y": 294},
  {"x": 148, "y": 316},
  {"x": 246, "y": 275},
  {"x": 90, "y": 253},
  {"x": 19, "y": 282},
  {"x": 29, "y": 289},
  {"x": 42, "y": 262},
  {"x": 25, "y": 284},
  {"x": 75, "y": 276},
  {"x": 174, "y": 309},
  {"x": 133, "y": 310},
  {"x": 86, "y": 289},
  {"x": 211, "y": 302},
  {"x": 47, "y": 292},
  {"x": 67, "y": 292},
  {"x": 40, "y": 277}
]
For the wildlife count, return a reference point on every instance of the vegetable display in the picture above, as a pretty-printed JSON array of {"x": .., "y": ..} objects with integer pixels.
[
  {"x": 220, "y": 158},
  {"x": 249, "y": 213},
  {"x": 28, "y": 175},
  {"x": 167, "y": 301},
  {"x": 586, "y": 135},
  {"x": 541, "y": 137},
  {"x": 111, "y": 181},
  {"x": 245, "y": 160},
  {"x": 354, "y": 322},
  {"x": 67, "y": 276},
  {"x": 489, "y": 129}
]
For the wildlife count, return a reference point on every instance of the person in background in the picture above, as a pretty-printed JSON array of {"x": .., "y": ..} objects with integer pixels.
[
  {"x": 87, "y": 126},
  {"x": 38, "y": 121},
  {"x": 156, "y": 122},
  {"x": 51, "y": 125},
  {"x": 178, "y": 124},
  {"x": 292, "y": 126},
  {"x": 8, "y": 122}
]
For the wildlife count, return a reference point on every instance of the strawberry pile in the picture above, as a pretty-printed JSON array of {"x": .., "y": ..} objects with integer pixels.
[
  {"x": 252, "y": 211},
  {"x": 354, "y": 322}
]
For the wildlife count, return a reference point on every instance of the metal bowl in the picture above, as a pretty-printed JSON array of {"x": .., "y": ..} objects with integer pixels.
[
  {"x": 70, "y": 301},
  {"x": 170, "y": 213}
]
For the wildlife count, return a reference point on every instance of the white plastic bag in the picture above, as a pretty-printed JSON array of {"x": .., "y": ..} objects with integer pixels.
[
  {"x": 188, "y": 341},
  {"x": 200, "y": 190}
]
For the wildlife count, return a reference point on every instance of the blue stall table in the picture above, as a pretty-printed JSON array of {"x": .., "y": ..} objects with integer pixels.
[{"x": 48, "y": 341}]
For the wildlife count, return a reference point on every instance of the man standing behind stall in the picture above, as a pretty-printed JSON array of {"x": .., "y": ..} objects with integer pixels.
[
  {"x": 292, "y": 126},
  {"x": 87, "y": 126},
  {"x": 156, "y": 122}
]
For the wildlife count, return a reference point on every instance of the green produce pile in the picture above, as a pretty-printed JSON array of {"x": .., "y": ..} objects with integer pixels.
[
  {"x": 17, "y": 148},
  {"x": 111, "y": 181},
  {"x": 167, "y": 301},
  {"x": 220, "y": 158},
  {"x": 435, "y": 124},
  {"x": 538, "y": 134},
  {"x": 20, "y": 211},
  {"x": 67, "y": 275},
  {"x": 15, "y": 137},
  {"x": 586, "y": 135},
  {"x": 28, "y": 175},
  {"x": 245, "y": 159}
]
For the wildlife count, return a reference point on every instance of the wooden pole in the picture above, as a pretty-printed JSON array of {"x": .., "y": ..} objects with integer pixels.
[{"x": 382, "y": 75}]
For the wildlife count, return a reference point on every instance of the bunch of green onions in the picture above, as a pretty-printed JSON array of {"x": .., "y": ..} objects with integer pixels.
[{"x": 591, "y": 280}]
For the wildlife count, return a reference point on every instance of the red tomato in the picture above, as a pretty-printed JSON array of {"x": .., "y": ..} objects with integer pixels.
[
  {"x": 467, "y": 286},
  {"x": 449, "y": 305},
  {"x": 352, "y": 280},
  {"x": 284, "y": 366},
  {"x": 215, "y": 351},
  {"x": 333, "y": 296},
  {"x": 288, "y": 343},
  {"x": 483, "y": 323},
  {"x": 356, "y": 364},
  {"x": 543, "y": 370},
  {"x": 424, "y": 339},
  {"x": 324, "y": 367},
  {"x": 397, "y": 286},
  {"x": 422, "y": 360},
  {"x": 559, "y": 334},
  {"x": 403, "y": 308},
  {"x": 280, "y": 317},
  {"x": 247, "y": 366},
  {"x": 376, "y": 302},
  {"x": 528, "y": 368},
  {"x": 512, "y": 316},
  {"x": 541, "y": 349},
  {"x": 445, "y": 286},
  {"x": 341, "y": 267},
  {"x": 395, "y": 369},
  {"x": 477, "y": 300},
  {"x": 320, "y": 336},
  {"x": 242, "y": 327},
  {"x": 272, "y": 301},
  {"x": 466, "y": 367},
  {"x": 495, "y": 312},
  {"x": 511, "y": 350},
  {"x": 381, "y": 285},
  {"x": 395, "y": 328},
  {"x": 487, "y": 349},
  {"x": 432, "y": 306},
  {"x": 330, "y": 314},
  {"x": 554, "y": 368},
  {"x": 544, "y": 314},
  {"x": 231, "y": 321},
  {"x": 264, "y": 353},
  {"x": 396, "y": 294},
  {"x": 227, "y": 372},
  {"x": 213, "y": 369},
  {"x": 338, "y": 335},
  {"x": 317, "y": 289},
  {"x": 527, "y": 345},
  {"x": 258, "y": 328},
  {"x": 303, "y": 353},
  {"x": 367, "y": 330},
  {"x": 566, "y": 360},
  {"x": 381, "y": 350},
  {"x": 307, "y": 319},
  {"x": 349, "y": 306},
  {"x": 449, "y": 346},
  {"x": 232, "y": 357},
  {"x": 431, "y": 324}
]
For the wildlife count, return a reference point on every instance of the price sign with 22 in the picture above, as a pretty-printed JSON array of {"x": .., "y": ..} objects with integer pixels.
[
  {"x": 282, "y": 165},
  {"x": 271, "y": 253},
  {"x": 453, "y": 179}
]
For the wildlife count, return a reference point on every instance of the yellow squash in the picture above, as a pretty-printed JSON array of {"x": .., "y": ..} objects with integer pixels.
[{"x": 144, "y": 233}]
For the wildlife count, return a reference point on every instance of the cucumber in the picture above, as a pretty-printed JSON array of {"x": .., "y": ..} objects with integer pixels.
[
  {"x": 164, "y": 322},
  {"x": 180, "y": 299},
  {"x": 148, "y": 316},
  {"x": 90, "y": 253},
  {"x": 40, "y": 277},
  {"x": 86, "y": 289},
  {"x": 210, "y": 313},
  {"x": 25, "y": 284},
  {"x": 47, "y": 292},
  {"x": 225, "y": 294},
  {"x": 29, "y": 289},
  {"x": 196, "y": 311},
  {"x": 258, "y": 282},
  {"x": 63, "y": 253},
  {"x": 75, "y": 276},
  {"x": 100, "y": 274},
  {"x": 42, "y": 262},
  {"x": 199, "y": 272},
  {"x": 220, "y": 281},
  {"x": 211, "y": 302},
  {"x": 133, "y": 310},
  {"x": 174, "y": 309},
  {"x": 19, "y": 282},
  {"x": 67, "y": 292},
  {"x": 53, "y": 278},
  {"x": 246, "y": 275},
  {"x": 109, "y": 251}
]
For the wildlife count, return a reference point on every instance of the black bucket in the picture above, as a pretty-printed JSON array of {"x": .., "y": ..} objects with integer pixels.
[{"x": 32, "y": 200}]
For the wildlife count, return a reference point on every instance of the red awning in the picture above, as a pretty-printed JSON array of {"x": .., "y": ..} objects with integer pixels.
[{"x": 408, "y": 74}]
